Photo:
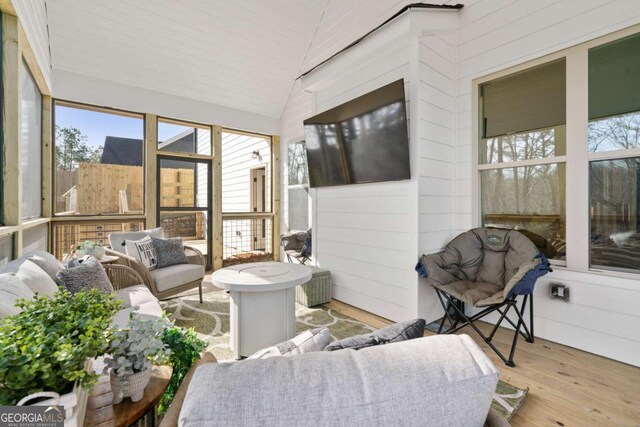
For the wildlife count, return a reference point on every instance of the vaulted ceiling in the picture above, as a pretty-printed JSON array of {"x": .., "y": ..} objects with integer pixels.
[{"x": 243, "y": 54}]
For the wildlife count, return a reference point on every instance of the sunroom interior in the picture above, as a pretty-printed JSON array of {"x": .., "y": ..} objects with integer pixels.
[{"x": 127, "y": 116}]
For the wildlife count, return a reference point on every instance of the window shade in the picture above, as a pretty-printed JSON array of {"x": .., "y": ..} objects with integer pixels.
[
  {"x": 614, "y": 78},
  {"x": 532, "y": 99}
]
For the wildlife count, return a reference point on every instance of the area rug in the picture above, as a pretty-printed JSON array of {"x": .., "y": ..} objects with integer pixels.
[{"x": 210, "y": 320}]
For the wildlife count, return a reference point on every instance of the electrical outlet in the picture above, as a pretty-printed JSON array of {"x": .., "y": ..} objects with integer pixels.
[{"x": 560, "y": 291}]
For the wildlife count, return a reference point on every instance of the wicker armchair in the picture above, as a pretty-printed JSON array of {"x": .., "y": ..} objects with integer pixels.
[
  {"x": 168, "y": 281},
  {"x": 122, "y": 277}
]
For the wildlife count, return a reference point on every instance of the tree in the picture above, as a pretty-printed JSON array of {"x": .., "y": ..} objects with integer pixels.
[{"x": 72, "y": 149}]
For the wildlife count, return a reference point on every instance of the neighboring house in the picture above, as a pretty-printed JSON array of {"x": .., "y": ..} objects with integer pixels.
[{"x": 128, "y": 151}]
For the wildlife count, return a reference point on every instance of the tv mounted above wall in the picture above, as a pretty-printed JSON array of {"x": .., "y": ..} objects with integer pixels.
[{"x": 363, "y": 140}]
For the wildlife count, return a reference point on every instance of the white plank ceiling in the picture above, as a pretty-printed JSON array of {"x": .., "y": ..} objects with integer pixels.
[{"x": 243, "y": 54}]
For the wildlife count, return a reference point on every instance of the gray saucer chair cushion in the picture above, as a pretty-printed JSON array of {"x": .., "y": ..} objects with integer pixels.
[
  {"x": 482, "y": 265},
  {"x": 401, "y": 331}
]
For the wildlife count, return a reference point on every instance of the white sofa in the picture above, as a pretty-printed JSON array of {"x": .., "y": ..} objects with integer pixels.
[{"x": 36, "y": 272}]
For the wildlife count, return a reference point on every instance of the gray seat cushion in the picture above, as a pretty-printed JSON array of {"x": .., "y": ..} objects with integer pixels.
[
  {"x": 479, "y": 294},
  {"x": 46, "y": 262},
  {"x": 33, "y": 276},
  {"x": 440, "y": 380},
  {"x": 135, "y": 295},
  {"x": 116, "y": 240},
  {"x": 148, "y": 311},
  {"x": 12, "y": 288},
  {"x": 176, "y": 275}
]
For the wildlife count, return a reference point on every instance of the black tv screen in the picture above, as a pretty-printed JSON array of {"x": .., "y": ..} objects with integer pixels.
[{"x": 363, "y": 140}]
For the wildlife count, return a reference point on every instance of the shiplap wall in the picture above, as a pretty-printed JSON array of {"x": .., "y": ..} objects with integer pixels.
[
  {"x": 365, "y": 234},
  {"x": 436, "y": 195},
  {"x": 494, "y": 35},
  {"x": 33, "y": 17}
]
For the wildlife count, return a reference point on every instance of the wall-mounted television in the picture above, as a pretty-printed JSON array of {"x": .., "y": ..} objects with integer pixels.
[{"x": 363, "y": 140}]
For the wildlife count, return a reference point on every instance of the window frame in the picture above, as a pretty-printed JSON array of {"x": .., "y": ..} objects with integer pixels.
[
  {"x": 577, "y": 156},
  {"x": 105, "y": 110}
]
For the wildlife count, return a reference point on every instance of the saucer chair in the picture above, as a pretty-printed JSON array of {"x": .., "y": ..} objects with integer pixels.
[{"x": 487, "y": 268}]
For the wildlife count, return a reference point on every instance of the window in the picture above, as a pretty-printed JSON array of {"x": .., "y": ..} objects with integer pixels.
[
  {"x": 31, "y": 146},
  {"x": 614, "y": 144},
  {"x": 99, "y": 160},
  {"x": 523, "y": 153},
  {"x": 297, "y": 187}
]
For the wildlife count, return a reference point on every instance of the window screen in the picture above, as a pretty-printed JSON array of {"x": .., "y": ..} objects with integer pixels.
[{"x": 31, "y": 146}]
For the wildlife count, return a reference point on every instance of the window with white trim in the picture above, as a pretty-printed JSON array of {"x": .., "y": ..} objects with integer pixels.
[
  {"x": 614, "y": 155},
  {"x": 522, "y": 155}
]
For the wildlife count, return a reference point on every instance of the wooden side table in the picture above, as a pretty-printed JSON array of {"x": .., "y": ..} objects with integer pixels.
[
  {"x": 101, "y": 412},
  {"x": 109, "y": 259}
]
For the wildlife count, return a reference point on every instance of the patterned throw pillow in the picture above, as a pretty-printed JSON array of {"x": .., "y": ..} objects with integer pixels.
[
  {"x": 143, "y": 250},
  {"x": 308, "y": 341},
  {"x": 169, "y": 251},
  {"x": 88, "y": 275},
  {"x": 402, "y": 331}
]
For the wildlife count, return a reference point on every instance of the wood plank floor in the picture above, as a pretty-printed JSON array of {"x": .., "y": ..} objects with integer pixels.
[{"x": 567, "y": 387}]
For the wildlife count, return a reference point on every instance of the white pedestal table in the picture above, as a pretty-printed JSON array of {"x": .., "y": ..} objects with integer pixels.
[{"x": 262, "y": 303}]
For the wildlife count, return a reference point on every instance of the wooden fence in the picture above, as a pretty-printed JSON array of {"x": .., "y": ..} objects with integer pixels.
[{"x": 97, "y": 189}]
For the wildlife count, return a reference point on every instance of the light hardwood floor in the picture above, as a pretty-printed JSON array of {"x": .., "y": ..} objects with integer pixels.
[{"x": 567, "y": 387}]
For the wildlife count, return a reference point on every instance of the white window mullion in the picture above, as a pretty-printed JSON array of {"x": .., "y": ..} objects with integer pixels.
[{"x": 577, "y": 185}]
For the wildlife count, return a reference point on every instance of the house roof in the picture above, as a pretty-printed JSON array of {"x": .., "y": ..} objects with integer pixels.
[{"x": 122, "y": 151}]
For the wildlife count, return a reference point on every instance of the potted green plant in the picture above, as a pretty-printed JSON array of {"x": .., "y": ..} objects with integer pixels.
[
  {"x": 185, "y": 349},
  {"x": 46, "y": 346},
  {"x": 90, "y": 248},
  {"x": 133, "y": 350}
]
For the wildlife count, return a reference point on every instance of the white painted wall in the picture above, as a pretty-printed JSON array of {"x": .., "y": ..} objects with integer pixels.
[
  {"x": 33, "y": 18},
  {"x": 491, "y": 36}
]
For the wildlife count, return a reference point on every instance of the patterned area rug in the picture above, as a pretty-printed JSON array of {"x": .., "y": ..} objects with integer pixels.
[{"x": 210, "y": 320}]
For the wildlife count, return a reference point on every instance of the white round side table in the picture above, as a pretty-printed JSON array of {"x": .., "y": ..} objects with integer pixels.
[{"x": 262, "y": 303}]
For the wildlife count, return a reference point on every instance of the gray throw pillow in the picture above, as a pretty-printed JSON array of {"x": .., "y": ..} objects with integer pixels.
[
  {"x": 169, "y": 251},
  {"x": 308, "y": 341},
  {"x": 88, "y": 275},
  {"x": 402, "y": 331}
]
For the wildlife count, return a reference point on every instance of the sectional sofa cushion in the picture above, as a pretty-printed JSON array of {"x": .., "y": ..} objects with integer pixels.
[
  {"x": 169, "y": 251},
  {"x": 135, "y": 295},
  {"x": 311, "y": 340},
  {"x": 33, "y": 276},
  {"x": 401, "y": 331},
  {"x": 143, "y": 250},
  {"x": 47, "y": 262},
  {"x": 116, "y": 240},
  {"x": 176, "y": 275},
  {"x": 12, "y": 288},
  {"x": 445, "y": 379},
  {"x": 148, "y": 311},
  {"x": 88, "y": 275}
]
